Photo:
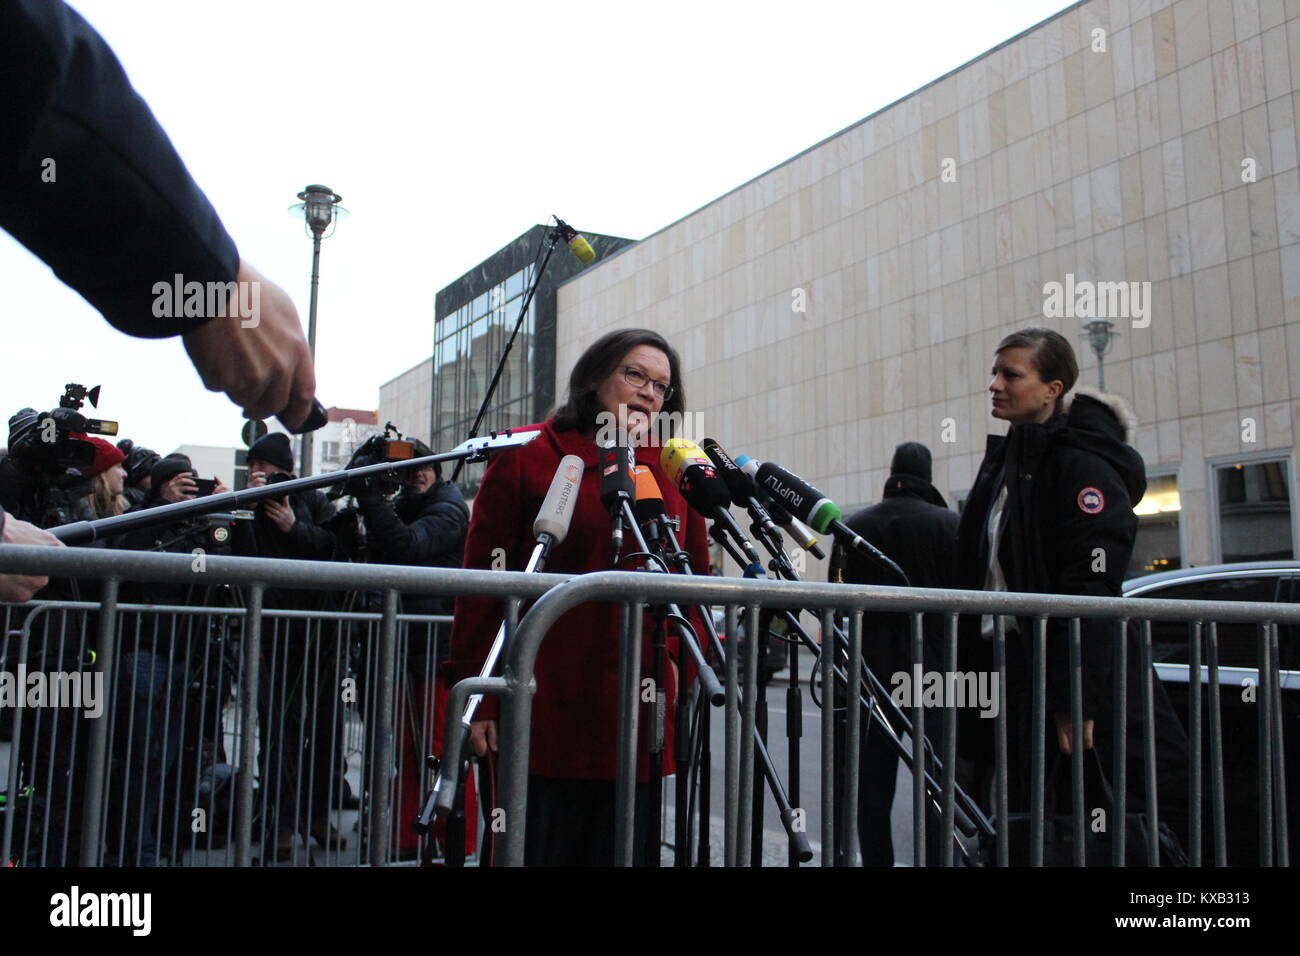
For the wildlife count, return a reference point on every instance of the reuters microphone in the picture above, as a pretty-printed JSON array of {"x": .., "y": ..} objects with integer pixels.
[
  {"x": 550, "y": 528},
  {"x": 552, "y": 522}
]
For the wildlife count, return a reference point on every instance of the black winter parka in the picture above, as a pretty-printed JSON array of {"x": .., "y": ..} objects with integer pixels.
[{"x": 1069, "y": 527}]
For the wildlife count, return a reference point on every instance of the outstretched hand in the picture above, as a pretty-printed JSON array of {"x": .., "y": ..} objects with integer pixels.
[
  {"x": 261, "y": 361},
  {"x": 17, "y": 588}
]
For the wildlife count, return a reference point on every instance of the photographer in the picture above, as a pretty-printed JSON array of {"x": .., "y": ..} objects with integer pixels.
[
  {"x": 301, "y": 658},
  {"x": 424, "y": 524},
  {"x": 49, "y": 465},
  {"x": 107, "y": 478},
  {"x": 289, "y": 527},
  {"x": 138, "y": 465}
]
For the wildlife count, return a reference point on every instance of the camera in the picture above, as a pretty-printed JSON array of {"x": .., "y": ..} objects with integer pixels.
[
  {"x": 45, "y": 471},
  {"x": 47, "y": 444},
  {"x": 389, "y": 446}
]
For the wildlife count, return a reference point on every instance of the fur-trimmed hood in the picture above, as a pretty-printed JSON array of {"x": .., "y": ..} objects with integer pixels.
[
  {"x": 1117, "y": 404},
  {"x": 1102, "y": 425}
]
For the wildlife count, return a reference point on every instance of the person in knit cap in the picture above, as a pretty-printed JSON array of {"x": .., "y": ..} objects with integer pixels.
[
  {"x": 107, "y": 478},
  {"x": 913, "y": 526},
  {"x": 138, "y": 465},
  {"x": 289, "y": 527},
  {"x": 293, "y": 527}
]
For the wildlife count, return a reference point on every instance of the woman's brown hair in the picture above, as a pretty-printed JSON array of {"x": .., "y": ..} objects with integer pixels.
[
  {"x": 1050, "y": 354},
  {"x": 581, "y": 405}
]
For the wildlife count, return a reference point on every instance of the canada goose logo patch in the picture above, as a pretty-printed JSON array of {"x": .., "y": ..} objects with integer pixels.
[{"x": 1091, "y": 501}]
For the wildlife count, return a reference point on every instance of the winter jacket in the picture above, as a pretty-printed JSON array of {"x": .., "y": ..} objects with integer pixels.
[
  {"x": 427, "y": 530},
  {"x": 913, "y": 526},
  {"x": 1069, "y": 527},
  {"x": 575, "y": 717}
]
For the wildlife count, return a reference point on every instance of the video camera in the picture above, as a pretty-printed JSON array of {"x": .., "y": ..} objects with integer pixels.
[
  {"x": 47, "y": 443},
  {"x": 390, "y": 446},
  {"x": 45, "y": 471}
]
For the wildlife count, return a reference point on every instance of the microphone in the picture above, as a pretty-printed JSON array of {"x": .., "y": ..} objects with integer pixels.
[
  {"x": 650, "y": 514},
  {"x": 617, "y": 484},
  {"x": 809, "y": 504},
  {"x": 801, "y": 533},
  {"x": 804, "y": 501},
  {"x": 649, "y": 505},
  {"x": 692, "y": 472},
  {"x": 552, "y": 522},
  {"x": 579, "y": 245},
  {"x": 741, "y": 485},
  {"x": 551, "y": 527}
]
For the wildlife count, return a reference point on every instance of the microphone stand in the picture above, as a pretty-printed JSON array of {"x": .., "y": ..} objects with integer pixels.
[
  {"x": 552, "y": 237},
  {"x": 970, "y": 817},
  {"x": 799, "y": 846},
  {"x": 440, "y": 800}
]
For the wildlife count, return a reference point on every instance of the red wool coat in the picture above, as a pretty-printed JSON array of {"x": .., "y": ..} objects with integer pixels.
[{"x": 575, "y": 715}]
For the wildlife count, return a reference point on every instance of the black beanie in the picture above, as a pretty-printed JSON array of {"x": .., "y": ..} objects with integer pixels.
[
  {"x": 139, "y": 464},
  {"x": 274, "y": 449},
  {"x": 911, "y": 458},
  {"x": 165, "y": 469},
  {"x": 421, "y": 450},
  {"x": 20, "y": 423}
]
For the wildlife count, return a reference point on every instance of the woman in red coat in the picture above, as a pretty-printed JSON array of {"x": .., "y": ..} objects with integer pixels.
[{"x": 634, "y": 375}]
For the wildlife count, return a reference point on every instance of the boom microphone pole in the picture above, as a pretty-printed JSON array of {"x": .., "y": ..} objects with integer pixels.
[
  {"x": 85, "y": 532},
  {"x": 582, "y": 249}
]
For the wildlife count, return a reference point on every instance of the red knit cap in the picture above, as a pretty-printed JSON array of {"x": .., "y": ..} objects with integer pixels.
[{"x": 106, "y": 455}]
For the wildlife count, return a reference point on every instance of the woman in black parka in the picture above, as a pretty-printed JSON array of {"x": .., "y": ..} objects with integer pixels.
[{"x": 1054, "y": 501}]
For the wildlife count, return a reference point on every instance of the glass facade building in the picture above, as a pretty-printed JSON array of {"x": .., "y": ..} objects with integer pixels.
[{"x": 474, "y": 318}]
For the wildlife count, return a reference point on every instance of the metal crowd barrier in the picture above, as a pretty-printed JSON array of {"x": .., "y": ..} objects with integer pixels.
[
  {"x": 227, "y": 733},
  {"x": 936, "y": 792},
  {"x": 222, "y": 725}
]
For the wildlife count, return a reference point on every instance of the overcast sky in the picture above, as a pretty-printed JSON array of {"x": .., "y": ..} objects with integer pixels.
[{"x": 449, "y": 129}]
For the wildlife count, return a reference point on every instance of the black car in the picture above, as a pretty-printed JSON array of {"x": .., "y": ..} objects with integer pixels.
[{"x": 1270, "y": 581}]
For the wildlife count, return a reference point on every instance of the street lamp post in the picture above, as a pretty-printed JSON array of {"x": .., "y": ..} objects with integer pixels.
[
  {"x": 1100, "y": 333},
  {"x": 320, "y": 211}
]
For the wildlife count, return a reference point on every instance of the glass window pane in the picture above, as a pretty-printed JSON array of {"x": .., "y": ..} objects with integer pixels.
[
  {"x": 1156, "y": 547},
  {"x": 1254, "y": 511},
  {"x": 515, "y": 285},
  {"x": 1237, "y": 642}
]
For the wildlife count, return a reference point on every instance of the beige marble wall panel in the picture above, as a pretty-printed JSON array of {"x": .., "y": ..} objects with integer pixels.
[{"x": 1122, "y": 165}]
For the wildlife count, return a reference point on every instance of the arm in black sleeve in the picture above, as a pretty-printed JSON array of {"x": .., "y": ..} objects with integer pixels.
[
  {"x": 116, "y": 212},
  {"x": 440, "y": 529},
  {"x": 1090, "y": 551},
  {"x": 309, "y": 534}
]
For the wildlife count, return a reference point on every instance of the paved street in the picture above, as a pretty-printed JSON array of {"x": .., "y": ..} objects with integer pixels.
[{"x": 808, "y": 791}]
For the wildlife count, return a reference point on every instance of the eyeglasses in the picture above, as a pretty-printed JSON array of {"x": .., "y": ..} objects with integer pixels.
[{"x": 639, "y": 379}]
